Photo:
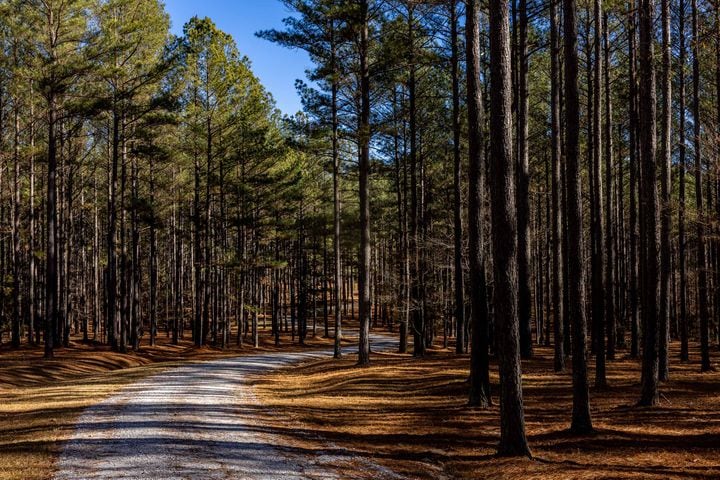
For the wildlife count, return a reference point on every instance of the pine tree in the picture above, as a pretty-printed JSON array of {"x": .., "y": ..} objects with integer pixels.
[
  {"x": 364, "y": 134},
  {"x": 480, "y": 361},
  {"x": 649, "y": 207},
  {"x": 557, "y": 187},
  {"x": 665, "y": 183},
  {"x": 581, "y": 422},
  {"x": 59, "y": 30},
  {"x": 513, "y": 441}
]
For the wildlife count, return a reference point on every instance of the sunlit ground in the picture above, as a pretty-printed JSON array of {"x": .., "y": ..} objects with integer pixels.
[
  {"x": 39, "y": 408},
  {"x": 411, "y": 416},
  {"x": 399, "y": 418},
  {"x": 41, "y": 400}
]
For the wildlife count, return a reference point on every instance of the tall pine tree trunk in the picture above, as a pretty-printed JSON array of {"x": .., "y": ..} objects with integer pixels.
[
  {"x": 416, "y": 203},
  {"x": 513, "y": 441},
  {"x": 649, "y": 207},
  {"x": 457, "y": 184},
  {"x": 682, "y": 244},
  {"x": 665, "y": 185},
  {"x": 16, "y": 292},
  {"x": 633, "y": 137},
  {"x": 479, "y": 360},
  {"x": 581, "y": 422},
  {"x": 364, "y": 174},
  {"x": 337, "y": 264},
  {"x": 703, "y": 312},
  {"x": 557, "y": 222},
  {"x": 51, "y": 276},
  {"x": 610, "y": 307},
  {"x": 32, "y": 297},
  {"x": 522, "y": 197},
  {"x": 598, "y": 265}
]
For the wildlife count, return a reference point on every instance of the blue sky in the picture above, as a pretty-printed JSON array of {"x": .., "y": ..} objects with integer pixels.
[{"x": 277, "y": 67}]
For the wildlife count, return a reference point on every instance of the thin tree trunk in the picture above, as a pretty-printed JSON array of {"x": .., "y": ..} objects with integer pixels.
[
  {"x": 16, "y": 292},
  {"x": 682, "y": 257},
  {"x": 703, "y": 312},
  {"x": 522, "y": 197},
  {"x": 581, "y": 422},
  {"x": 337, "y": 207},
  {"x": 51, "y": 276},
  {"x": 513, "y": 441},
  {"x": 610, "y": 300},
  {"x": 598, "y": 264},
  {"x": 364, "y": 174},
  {"x": 557, "y": 222},
  {"x": 632, "y": 106},
  {"x": 665, "y": 182},
  {"x": 153, "y": 263},
  {"x": 459, "y": 283},
  {"x": 32, "y": 297},
  {"x": 416, "y": 203},
  {"x": 479, "y": 360}
]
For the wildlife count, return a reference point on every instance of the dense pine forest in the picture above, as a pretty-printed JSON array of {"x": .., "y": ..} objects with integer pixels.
[{"x": 508, "y": 185}]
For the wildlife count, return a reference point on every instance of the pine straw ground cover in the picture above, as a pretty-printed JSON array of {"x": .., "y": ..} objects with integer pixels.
[
  {"x": 41, "y": 399},
  {"x": 410, "y": 416}
]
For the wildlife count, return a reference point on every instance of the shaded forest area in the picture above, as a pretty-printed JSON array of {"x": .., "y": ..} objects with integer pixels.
[
  {"x": 412, "y": 419},
  {"x": 528, "y": 183}
]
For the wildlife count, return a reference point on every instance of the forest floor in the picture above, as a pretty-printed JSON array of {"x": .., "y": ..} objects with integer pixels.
[
  {"x": 41, "y": 400},
  {"x": 401, "y": 417},
  {"x": 411, "y": 417}
]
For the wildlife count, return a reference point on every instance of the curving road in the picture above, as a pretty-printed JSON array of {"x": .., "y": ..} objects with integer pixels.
[{"x": 196, "y": 421}]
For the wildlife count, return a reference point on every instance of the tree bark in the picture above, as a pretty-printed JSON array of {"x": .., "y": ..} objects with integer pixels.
[
  {"x": 16, "y": 292},
  {"x": 51, "y": 277},
  {"x": 417, "y": 301},
  {"x": 479, "y": 360},
  {"x": 598, "y": 264},
  {"x": 337, "y": 208},
  {"x": 665, "y": 182},
  {"x": 581, "y": 422},
  {"x": 610, "y": 300},
  {"x": 633, "y": 114},
  {"x": 522, "y": 197},
  {"x": 703, "y": 313},
  {"x": 364, "y": 174},
  {"x": 557, "y": 221},
  {"x": 682, "y": 244},
  {"x": 649, "y": 208},
  {"x": 457, "y": 186},
  {"x": 513, "y": 441}
]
